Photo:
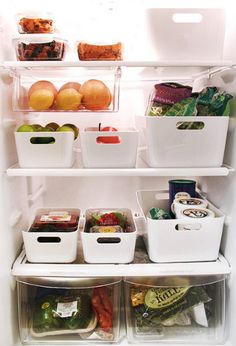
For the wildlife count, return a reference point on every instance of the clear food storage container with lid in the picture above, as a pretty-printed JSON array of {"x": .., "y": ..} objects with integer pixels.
[{"x": 40, "y": 48}]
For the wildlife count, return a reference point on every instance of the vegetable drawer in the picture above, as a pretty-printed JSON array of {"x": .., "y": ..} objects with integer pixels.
[
  {"x": 59, "y": 311},
  {"x": 186, "y": 310}
]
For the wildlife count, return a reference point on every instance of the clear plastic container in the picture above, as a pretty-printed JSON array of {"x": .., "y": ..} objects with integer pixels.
[
  {"x": 90, "y": 90},
  {"x": 40, "y": 48},
  {"x": 35, "y": 23},
  {"x": 96, "y": 52},
  {"x": 68, "y": 310},
  {"x": 59, "y": 219},
  {"x": 186, "y": 310}
]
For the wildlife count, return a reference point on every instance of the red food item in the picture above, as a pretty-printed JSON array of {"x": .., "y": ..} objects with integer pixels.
[
  {"x": 108, "y": 139},
  {"x": 66, "y": 220},
  {"x": 108, "y": 219},
  {"x": 103, "y": 308},
  {"x": 171, "y": 93}
]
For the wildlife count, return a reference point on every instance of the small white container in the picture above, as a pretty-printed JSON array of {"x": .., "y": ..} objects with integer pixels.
[
  {"x": 109, "y": 155},
  {"x": 58, "y": 154},
  {"x": 169, "y": 146},
  {"x": 180, "y": 240},
  {"x": 109, "y": 247},
  {"x": 50, "y": 247}
]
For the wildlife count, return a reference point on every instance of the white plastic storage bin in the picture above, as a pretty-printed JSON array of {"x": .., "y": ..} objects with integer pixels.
[
  {"x": 176, "y": 310},
  {"x": 108, "y": 149},
  {"x": 187, "y": 34},
  {"x": 179, "y": 240},
  {"x": 168, "y": 146},
  {"x": 109, "y": 247},
  {"x": 63, "y": 311},
  {"x": 58, "y": 154},
  {"x": 57, "y": 246}
]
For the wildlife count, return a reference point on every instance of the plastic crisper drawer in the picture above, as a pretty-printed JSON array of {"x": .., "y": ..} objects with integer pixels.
[
  {"x": 186, "y": 310},
  {"x": 80, "y": 90},
  {"x": 61, "y": 311}
]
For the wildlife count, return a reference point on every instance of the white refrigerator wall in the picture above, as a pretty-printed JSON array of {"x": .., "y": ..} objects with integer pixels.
[{"x": 20, "y": 195}]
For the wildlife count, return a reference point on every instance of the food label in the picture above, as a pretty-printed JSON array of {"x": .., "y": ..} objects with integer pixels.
[
  {"x": 195, "y": 213},
  {"x": 158, "y": 298},
  {"x": 56, "y": 216},
  {"x": 189, "y": 201},
  {"x": 182, "y": 195},
  {"x": 66, "y": 309}
]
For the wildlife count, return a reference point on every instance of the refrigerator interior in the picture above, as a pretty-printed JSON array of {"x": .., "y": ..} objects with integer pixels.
[{"x": 24, "y": 192}]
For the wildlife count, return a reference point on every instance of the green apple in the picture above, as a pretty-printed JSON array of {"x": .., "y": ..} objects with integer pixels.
[
  {"x": 74, "y": 128},
  {"x": 25, "y": 128},
  {"x": 65, "y": 128}
]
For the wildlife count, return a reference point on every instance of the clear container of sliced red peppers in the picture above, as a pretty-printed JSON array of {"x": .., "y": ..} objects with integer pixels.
[{"x": 68, "y": 309}]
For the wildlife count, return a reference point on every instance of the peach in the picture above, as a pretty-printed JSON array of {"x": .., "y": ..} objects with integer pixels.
[
  {"x": 71, "y": 85},
  {"x": 96, "y": 95},
  {"x": 42, "y": 84}
]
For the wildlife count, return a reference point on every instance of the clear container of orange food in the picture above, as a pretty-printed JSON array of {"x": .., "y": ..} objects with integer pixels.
[{"x": 35, "y": 23}]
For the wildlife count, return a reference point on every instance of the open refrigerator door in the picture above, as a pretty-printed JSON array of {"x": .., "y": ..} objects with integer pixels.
[{"x": 117, "y": 172}]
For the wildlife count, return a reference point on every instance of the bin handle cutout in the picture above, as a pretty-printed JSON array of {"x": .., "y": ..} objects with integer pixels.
[
  {"x": 48, "y": 239},
  {"x": 190, "y": 125},
  {"x": 186, "y": 18},
  {"x": 107, "y": 240},
  {"x": 42, "y": 140},
  {"x": 108, "y": 140},
  {"x": 188, "y": 227}
]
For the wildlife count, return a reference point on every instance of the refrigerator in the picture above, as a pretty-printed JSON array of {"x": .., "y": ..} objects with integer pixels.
[{"x": 189, "y": 43}]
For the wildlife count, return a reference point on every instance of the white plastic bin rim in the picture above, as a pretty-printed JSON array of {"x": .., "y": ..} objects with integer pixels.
[
  {"x": 146, "y": 200},
  {"x": 176, "y": 281},
  {"x": 68, "y": 283},
  {"x": 124, "y": 211},
  {"x": 120, "y": 130}
]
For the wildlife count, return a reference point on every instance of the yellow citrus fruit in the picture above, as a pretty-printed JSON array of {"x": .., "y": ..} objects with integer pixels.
[
  {"x": 68, "y": 99},
  {"x": 41, "y": 99}
]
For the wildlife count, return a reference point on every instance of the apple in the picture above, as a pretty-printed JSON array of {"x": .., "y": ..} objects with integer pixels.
[
  {"x": 108, "y": 139},
  {"x": 25, "y": 128}
]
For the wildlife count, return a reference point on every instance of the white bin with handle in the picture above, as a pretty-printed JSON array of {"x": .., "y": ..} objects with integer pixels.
[{"x": 179, "y": 240}]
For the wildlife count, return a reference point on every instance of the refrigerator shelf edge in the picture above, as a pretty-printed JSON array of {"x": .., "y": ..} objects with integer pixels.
[
  {"x": 125, "y": 63},
  {"x": 139, "y": 171},
  {"x": 23, "y": 268}
]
